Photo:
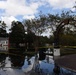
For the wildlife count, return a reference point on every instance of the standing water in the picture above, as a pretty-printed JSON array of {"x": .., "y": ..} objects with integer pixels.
[{"x": 13, "y": 64}]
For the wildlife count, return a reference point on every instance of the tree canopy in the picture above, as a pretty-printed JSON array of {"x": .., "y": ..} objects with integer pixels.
[
  {"x": 3, "y": 32},
  {"x": 17, "y": 34}
]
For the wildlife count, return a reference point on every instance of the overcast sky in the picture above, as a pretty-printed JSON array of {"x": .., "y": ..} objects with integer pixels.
[{"x": 26, "y": 9}]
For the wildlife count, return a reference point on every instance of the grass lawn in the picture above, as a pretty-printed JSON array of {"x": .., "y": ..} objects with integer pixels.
[
  {"x": 64, "y": 50},
  {"x": 67, "y": 50}
]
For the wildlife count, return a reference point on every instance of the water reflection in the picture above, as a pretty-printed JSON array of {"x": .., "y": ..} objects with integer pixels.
[
  {"x": 16, "y": 62},
  {"x": 2, "y": 60}
]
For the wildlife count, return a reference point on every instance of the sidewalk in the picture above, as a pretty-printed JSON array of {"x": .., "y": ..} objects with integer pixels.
[{"x": 68, "y": 62}]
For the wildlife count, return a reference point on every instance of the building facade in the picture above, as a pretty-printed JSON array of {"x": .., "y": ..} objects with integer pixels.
[{"x": 4, "y": 43}]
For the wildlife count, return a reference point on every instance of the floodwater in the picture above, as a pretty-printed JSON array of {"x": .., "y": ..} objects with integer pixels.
[{"x": 16, "y": 64}]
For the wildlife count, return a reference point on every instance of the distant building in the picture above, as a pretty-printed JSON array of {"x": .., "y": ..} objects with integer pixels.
[{"x": 4, "y": 43}]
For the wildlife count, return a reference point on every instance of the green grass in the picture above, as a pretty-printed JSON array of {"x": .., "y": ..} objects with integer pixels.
[
  {"x": 64, "y": 50},
  {"x": 67, "y": 50}
]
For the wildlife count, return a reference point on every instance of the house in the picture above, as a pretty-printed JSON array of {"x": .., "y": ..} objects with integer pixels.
[{"x": 4, "y": 43}]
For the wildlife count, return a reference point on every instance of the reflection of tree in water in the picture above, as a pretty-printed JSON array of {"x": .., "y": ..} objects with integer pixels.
[
  {"x": 2, "y": 60},
  {"x": 17, "y": 57},
  {"x": 2, "y": 57},
  {"x": 42, "y": 53},
  {"x": 17, "y": 61}
]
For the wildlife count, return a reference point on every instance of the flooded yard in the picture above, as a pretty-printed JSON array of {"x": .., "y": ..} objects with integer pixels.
[
  {"x": 16, "y": 65},
  {"x": 13, "y": 64}
]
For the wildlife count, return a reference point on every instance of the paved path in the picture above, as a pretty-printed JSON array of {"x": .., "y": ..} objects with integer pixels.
[{"x": 68, "y": 61}]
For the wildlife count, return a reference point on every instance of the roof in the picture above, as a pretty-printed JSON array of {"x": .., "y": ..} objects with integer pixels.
[{"x": 4, "y": 38}]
